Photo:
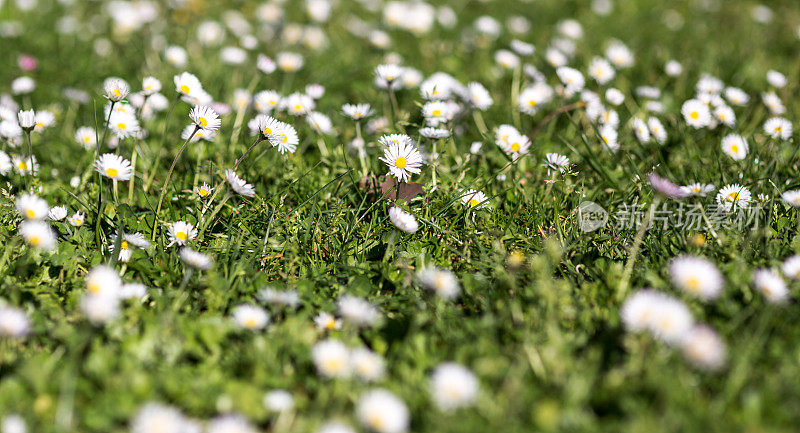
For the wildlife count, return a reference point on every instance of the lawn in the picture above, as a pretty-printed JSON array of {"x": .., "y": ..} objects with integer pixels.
[{"x": 550, "y": 215}]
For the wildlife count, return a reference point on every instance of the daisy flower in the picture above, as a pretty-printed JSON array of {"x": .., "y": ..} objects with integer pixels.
[
  {"x": 641, "y": 130},
  {"x": 697, "y": 276},
  {"x": 733, "y": 195},
  {"x": 516, "y": 145},
  {"x": 100, "y": 309},
  {"x": 453, "y": 386},
  {"x": 298, "y": 104},
  {"x": 289, "y": 62},
  {"x": 250, "y": 317},
  {"x": 403, "y": 220},
  {"x": 479, "y": 96},
  {"x": 265, "y": 64},
  {"x": 776, "y": 79},
  {"x": 698, "y": 189},
  {"x": 556, "y": 162},
  {"x": 773, "y": 103},
  {"x": 204, "y": 190},
  {"x": 86, "y": 137},
  {"x": 24, "y": 165},
  {"x": 382, "y": 412},
  {"x": 123, "y": 124},
  {"x": 113, "y": 167},
  {"x": 77, "y": 219},
  {"x": 181, "y": 232},
  {"x": 671, "y": 320},
  {"x": 205, "y": 117},
  {"x": 402, "y": 159},
  {"x": 327, "y": 321},
  {"x": 331, "y": 358},
  {"x": 195, "y": 134},
  {"x": 614, "y": 96},
  {"x": 778, "y": 128},
  {"x": 32, "y": 207},
  {"x": 792, "y": 198},
  {"x": 357, "y": 111},
  {"x": 115, "y": 89},
  {"x": 639, "y": 309},
  {"x": 704, "y": 348},
  {"x": 434, "y": 133},
  {"x": 187, "y": 84},
  {"x": 696, "y": 113},
  {"x": 440, "y": 281},
  {"x": 150, "y": 86},
  {"x": 14, "y": 323},
  {"x": 506, "y": 59},
  {"x": 619, "y": 55},
  {"x": 26, "y": 119},
  {"x": 44, "y": 119},
  {"x": 609, "y": 136},
  {"x": 266, "y": 100},
  {"x": 284, "y": 136},
  {"x": 771, "y": 285},
  {"x": 389, "y": 72},
  {"x": 657, "y": 129},
  {"x": 103, "y": 280},
  {"x": 601, "y": 70},
  {"x": 571, "y": 78},
  {"x": 320, "y": 122},
  {"x": 736, "y": 96},
  {"x": 735, "y": 146},
  {"x": 673, "y": 68},
  {"x": 278, "y": 400},
  {"x": 195, "y": 259},
  {"x": 474, "y": 199},
  {"x": 239, "y": 185},
  {"x": 358, "y": 311},
  {"x": 57, "y": 213},
  {"x": 531, "y": 98},
  {"x": 725, "y": 115},
  {"x": 366, "y": 364},
  {"x": 791, "y": 267}
]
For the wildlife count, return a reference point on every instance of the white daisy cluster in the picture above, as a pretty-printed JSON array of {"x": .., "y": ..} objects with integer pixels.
[{"x": 670, "y": 320}]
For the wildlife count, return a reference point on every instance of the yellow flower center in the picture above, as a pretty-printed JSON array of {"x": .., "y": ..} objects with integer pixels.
[
  {"x": 473, "y": 202},
  {"x": 185, "y": 89},
  {"x": 400, "y": 162},
  {"x": 121, "y": 126},
  {"x": 35, "y": 241},
  {"x": 124, "y": 245},
  {"x": 333, "y": 364},
  {"x": 203, "y": 192},
  {"x": 93, "y": 287},
  {"x": 298, "y": 107},
  {"x": 734, "y": 148},
  {"x": 694, "y": 115},
  {"x": 86, "y": 139},
  {"x": 532, "y": 103},
  {"x": 250, "y": 323},
  {"x": 77, "y": 221},
  {"x": 733, "y": 196},
  {"x": 515, "y": 147},
  {"x": 330, "y": 324},
  {"x": 267, "y": 131},
  {"x": 116, "y": 92},
  {"x": 112, "y": 172},
  {"x": 202, "y": 121},
  {"x": 437, "y": 113},
  {"x": 181, "y": 235},
  {"x": 30, "y": 213},
  {"x": 284, "y": 138},
  {"x": 693, "y": 283},
  {"x": 376, "y": 421}
]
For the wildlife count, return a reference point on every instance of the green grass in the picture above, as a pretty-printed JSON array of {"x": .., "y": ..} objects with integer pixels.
[{"x": 543, "y": 337}]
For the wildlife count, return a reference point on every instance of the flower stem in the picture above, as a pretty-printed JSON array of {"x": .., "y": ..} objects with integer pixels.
[
  {"x": 100, "y": 180},
  {"x": 166, "y": 181}
]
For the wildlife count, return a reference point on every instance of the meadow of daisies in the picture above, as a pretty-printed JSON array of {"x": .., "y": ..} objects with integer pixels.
[{"x": 334, "y": 216}]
